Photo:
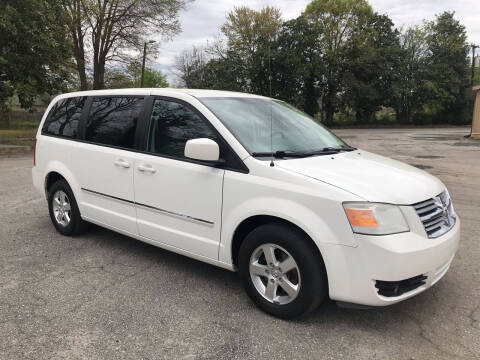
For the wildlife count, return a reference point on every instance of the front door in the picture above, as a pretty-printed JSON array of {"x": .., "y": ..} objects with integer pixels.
[{"x": 179, "y": 201}]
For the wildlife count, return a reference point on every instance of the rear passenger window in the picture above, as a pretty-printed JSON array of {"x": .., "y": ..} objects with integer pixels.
[
  {"x": 171, "y": 125},
  {"x": 113, "y": 120},
  {"x": 63, "y": 118}
]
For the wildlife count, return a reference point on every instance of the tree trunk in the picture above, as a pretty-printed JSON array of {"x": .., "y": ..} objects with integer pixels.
[
  {"x": 98, "y": 72},
  {"x": 363, "y": 116},
  {"x": 80, "y": 60},
  {"x": 311, "y": 104},
  {"x": 360, "y": 117},
  {"x": 330, "y": 103},
  {"x": 75, "y": 27},
  {"x": 403, "y": 116},
  {"x": 329, "y": 108}
]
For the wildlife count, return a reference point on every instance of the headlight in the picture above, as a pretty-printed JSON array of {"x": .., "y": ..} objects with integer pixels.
[{"x": 375, "y": 218}]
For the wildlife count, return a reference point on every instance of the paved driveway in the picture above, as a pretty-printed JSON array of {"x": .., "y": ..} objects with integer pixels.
[{"x": 106, "y": 296}]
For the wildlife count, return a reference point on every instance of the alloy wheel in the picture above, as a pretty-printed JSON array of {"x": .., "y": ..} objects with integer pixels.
[
  {"x": 62, "y": 209},
  {"x": 275, "y": 274}
]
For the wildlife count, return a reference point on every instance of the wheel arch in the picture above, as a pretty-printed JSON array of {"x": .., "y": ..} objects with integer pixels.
[
  {"x": 56, "y": 171},
  {"x": 253, "y": 222},
  {"x": 51, "y": 178}
]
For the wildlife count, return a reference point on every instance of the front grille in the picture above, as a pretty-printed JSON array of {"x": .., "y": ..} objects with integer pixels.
[
  {"x": 436, "y": 214},
  {"x": 397, "y": 288}
]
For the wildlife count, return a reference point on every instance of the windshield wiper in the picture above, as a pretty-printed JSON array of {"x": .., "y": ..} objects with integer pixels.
[
  {"x": 340, "y": 149},
  {"x": 281, "y": 154}
]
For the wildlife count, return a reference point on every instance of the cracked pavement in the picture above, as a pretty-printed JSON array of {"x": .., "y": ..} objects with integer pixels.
[{"x": 106, "y": 296}]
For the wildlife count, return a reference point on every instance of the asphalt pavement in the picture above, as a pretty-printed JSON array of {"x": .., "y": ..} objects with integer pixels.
[{"x": 106, "y": 296}]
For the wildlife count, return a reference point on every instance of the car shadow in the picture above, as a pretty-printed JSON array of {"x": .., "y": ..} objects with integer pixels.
[{"x": 221, "y": 281}]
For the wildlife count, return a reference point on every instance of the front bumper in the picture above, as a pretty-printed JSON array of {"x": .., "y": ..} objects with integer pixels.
[{"x": 353, "y": 271}]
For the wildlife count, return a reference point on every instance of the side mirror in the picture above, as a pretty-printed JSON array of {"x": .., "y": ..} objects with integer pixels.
[{"x": 203, "y": 150}]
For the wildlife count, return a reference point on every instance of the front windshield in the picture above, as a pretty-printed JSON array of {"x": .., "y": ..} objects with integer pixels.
[{"x": 290, "y": 130}]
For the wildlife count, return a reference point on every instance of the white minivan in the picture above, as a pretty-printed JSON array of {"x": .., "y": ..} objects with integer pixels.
[{"x": 246, "y": 183}]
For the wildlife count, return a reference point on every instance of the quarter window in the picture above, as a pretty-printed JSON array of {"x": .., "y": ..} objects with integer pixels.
[
  {"x": 171, "y": 125},
  {"x": 63, "y": 118},
  {"x": 113, "y": 120}
]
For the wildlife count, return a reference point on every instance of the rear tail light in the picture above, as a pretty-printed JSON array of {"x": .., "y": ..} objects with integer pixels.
[{"x": 34, "y": 152}]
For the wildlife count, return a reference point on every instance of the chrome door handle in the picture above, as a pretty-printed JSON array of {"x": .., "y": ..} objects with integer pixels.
[
  {"x": 122, "y": 163},
  {"x": 146, "y": 168}
]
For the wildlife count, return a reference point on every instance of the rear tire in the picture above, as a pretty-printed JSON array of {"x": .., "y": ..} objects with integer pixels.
[
  {"x": 64, "y": 211},
  {"x": 289, "y": 292}
]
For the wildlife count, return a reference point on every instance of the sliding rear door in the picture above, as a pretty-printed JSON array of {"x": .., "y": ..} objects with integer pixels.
[{"x": 103, "y": 161}]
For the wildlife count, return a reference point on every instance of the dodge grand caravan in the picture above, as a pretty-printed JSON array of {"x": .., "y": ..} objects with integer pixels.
[{"x": 246, "y": 183}]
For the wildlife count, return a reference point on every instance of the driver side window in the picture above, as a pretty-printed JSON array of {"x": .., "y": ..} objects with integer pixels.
[{"x": 172, "y": 124}]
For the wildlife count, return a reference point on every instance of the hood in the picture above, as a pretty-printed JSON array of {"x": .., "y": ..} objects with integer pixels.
[{"x": 373, "y": 177}]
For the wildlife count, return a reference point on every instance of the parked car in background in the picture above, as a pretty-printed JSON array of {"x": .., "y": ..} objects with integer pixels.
[{"x": 246, "y": 183}]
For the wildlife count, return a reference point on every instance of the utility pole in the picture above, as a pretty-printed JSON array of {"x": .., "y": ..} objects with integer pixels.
[
  {"x": 143, "y": 62},
  {"x": 473, "y": 46},
  {"x": 473, "y": 62}
]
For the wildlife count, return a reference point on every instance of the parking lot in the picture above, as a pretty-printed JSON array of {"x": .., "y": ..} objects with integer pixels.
[{"x": 106, "y": 296}]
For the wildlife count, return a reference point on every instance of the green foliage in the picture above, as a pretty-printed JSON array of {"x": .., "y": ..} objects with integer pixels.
[
  {"x": 298, "y": 66},
  {"x": 18, "y": 136},
  {"x": 338, "y": 61},
  {"x": 251, "y": 37},
  {"x": 476, "y": 78},
  {"x": 117, "y": 79},
  {"x": 34, "y": 49},
  {"x": 409, "y": 89},
  {"x": 221, "y": 74},
  {"x": 339, "y": 25},
  {"x": 341, "y": 62},
  {"x": 372, "y": 68},
  {"x": 154, "y": 79},
  {"x": 131, "y": 78},
  {"x": 385, "y": 116},
  {"x": 447, "y": 71}
]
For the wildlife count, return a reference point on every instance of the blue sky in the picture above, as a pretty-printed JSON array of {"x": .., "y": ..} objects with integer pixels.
[{"x": 201, "y": 20}]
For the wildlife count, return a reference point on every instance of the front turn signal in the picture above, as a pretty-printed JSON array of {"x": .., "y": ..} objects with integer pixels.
[{"x": 361, "y": 218}]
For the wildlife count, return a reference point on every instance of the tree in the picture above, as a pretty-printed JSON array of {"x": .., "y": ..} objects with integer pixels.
[
  {"x": 198, "y": 69},
  {"x": 34, "y": 49},
  {"x": 409, "y": 88},
  {"x": 251, "y": 37},
  {"x": 372, "y": 68},
  {"x": 221, "y": 74},
  {"x": 447, "y": 71},
  {"x": 476, "y": 78},
  {"x": 338, "y": 56},
  {"x": 114, "y": 28},
  {"x": 190, "y": 67},
  {"x": 434, "y": 73},
  {"x": 117, "y": 79},
  {"x": 130, "y": 77},
  {"x": 298, "y": 66},
  {"x": 153, "y": 79},
  {"x": 337, "y": 23},
  {"x": 77, "y": 26}
]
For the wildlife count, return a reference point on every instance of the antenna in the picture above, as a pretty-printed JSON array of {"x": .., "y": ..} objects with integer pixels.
[{"x": 271, "y": 105}]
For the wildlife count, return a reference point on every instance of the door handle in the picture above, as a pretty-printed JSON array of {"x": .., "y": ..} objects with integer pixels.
[
  {"x": 122, "y": 163},
  {"x": 146, "y": 168}
]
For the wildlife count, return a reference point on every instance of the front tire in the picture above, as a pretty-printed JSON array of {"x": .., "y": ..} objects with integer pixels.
[
  {"x": 64, "y": 211},
  {"x": 282, "y": 271}
]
